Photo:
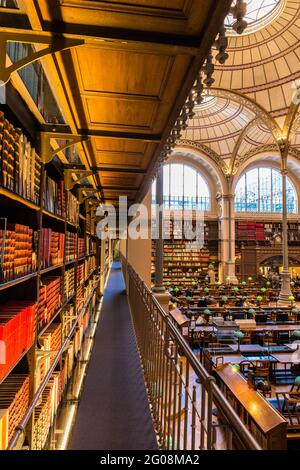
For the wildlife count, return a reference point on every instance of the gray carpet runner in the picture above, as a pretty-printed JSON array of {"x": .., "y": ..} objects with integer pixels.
[{"x": 114, "y": 412}]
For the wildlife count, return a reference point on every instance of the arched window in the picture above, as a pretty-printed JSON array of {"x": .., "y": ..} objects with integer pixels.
[
  {"x": 260, "y": 190},
  {"x": 184, "y": 188}
]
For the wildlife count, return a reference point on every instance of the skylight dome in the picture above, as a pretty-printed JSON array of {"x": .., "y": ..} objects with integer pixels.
[{"x": 259, "y": 14}]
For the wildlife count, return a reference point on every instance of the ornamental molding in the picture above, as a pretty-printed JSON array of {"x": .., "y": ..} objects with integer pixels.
[
  {"x": 204, "y": 150},
  {"x": 252, "y": 153}
]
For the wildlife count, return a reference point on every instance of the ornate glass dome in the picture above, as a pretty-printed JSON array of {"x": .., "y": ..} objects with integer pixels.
[{"x": 259, "y": 14}]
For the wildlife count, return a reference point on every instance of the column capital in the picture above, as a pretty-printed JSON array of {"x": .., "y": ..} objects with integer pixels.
[{"x": 225, "y": 197}]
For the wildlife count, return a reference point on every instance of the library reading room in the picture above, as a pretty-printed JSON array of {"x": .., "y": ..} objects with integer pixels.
[{"x": 149, "y": 227}]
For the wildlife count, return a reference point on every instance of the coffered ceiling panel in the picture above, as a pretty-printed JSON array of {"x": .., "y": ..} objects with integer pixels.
[
  {"x": 107, "y": 113},
  {"x": 131, "y": 72},
  {"x": 125, "y": 86},
  {"x": 172, "y": 16}
]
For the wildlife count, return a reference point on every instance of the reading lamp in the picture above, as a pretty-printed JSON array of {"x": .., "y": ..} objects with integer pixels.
[{"x": 239, "y": 335}]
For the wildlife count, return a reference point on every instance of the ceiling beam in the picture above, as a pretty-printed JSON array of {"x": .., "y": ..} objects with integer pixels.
[
  {"x": 188, "y": 44},
  {"x": 119, "y": 188},
  {"x": 106, "y": 36},
  {"x": 138, "y": 171},
  {"x": 120, "y": 135},
  {"x": 63, "y": 129}
]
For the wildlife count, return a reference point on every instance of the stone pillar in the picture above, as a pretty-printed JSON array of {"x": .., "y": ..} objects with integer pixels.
[
  {"x": 159, "y": 290},
  {"x": 227, "y": 239},
  {"x": 285, "y": 291}
]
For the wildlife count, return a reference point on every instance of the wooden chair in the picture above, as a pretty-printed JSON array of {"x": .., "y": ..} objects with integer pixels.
[
  {"x": 262, "y": 370},
  {"x": 289, "y": 406}
]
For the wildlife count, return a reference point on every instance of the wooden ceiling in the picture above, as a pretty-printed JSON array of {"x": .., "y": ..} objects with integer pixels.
[{"x": 126, "y": 85}]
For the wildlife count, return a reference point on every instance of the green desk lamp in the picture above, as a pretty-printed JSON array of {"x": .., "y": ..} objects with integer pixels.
[{"x": 239, "y": 335}]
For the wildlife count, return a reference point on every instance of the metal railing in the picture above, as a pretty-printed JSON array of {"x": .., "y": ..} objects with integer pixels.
[
  {"x": 189, "y": 410},
  {"x": 186, "y": 203}
]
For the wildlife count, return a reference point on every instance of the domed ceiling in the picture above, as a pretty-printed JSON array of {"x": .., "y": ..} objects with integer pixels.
[{"x": 255, "y": 99}]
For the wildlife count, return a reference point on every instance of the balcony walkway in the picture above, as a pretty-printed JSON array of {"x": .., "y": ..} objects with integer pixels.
[{"x": 114, "y": 412}]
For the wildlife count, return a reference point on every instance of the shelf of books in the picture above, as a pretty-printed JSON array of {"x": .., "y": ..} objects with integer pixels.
[
  {"x": 267, "y": 232},
  {"x": 49, "y": 282},
  {"x": 187, "y": 262}
]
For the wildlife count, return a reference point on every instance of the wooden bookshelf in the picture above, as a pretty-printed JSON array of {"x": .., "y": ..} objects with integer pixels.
[
  {"x": 22, "y": 204},
  {"x": 184, "y": 262}
]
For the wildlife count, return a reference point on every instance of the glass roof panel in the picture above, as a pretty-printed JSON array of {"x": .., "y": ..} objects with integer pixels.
[{"x": 259, "y": 13}]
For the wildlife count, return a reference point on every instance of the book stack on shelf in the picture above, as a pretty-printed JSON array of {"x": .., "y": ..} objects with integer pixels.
[
  {"x": 68, "y": 319},
  {"x": 50, "y": 299},
  {"x": 54, "y": 197},
  {"x": 20, "y": 166},
  {"x": 69, "y": 283},
  {"x": 50, "y": 340},
  {"x": 81, "y": 247},
  {"x": 250, "y": 231},
  {"x": 183, "y": 263},
  {"x": 14, "y": 401},
  {"x": 91, "y": 246},
  {"x": 71, "y": 243},
  {"x": 72, "y": 209},
  {"x": 38, "y": 325},
  {"x": 294, "y": 232},
  {"x": 17, "y": 325},
  {"x": 18, "y": 258},
  {"x": 90, "y": 265},
  {"x": 80, "y": 296},
  {"x": 46, "y": 411},
  {"x": 80, "y": 273},
  {"x": 52, "y": 248}
]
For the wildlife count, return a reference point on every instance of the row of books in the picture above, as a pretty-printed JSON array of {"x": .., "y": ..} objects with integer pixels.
[
  {"x": 53, "y": 245},
  {"x": 14, "y": 401},
  {"x": 90, "y": 265},
  {"x": 182, "y": 262},
  {"x": 72, "y": 209},
  {"x": 17, "y": 326},
  {"x": 69, "y": 283},
  {"x": 80, "y": 273},
  {"x": 54, "y": 197},
  {"x": 91, "y": 246},
  {"x": 46, "y": 410},
  {"x": 71, "y": 243},
  {"x": 17, "y": 257},
  {"x": 20, "y": 166},
  {"x": 50, "y": 299},
  {"x": 252, "y": 231},
  {"x": 81, "y": 247}
]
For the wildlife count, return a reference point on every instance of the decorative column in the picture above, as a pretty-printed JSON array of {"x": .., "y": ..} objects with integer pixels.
[
  {"x": 285, "y": 291},
  {"x": 159, "y": 290},
  {"x": 227, "y": 239}
]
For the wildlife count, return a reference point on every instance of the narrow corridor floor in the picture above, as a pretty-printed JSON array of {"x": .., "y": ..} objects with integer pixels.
[{"x": 114, "y": 413}]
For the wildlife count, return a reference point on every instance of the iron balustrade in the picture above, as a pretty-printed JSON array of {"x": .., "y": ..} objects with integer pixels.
[
  {"x": 202, "y": 204},
  {"x": 186, "y": 415}
]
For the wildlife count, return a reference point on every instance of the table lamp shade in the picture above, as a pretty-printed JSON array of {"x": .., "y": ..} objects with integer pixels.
[
  {"x": 239, "y": 334},
  {"x": 296, "y": 334},
  {"x": 297, "y": 381},
  {"x": 207, "y": 311}
]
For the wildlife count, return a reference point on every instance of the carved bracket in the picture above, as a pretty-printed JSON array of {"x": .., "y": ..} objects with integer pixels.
[
  {"x": 45, "y": 150},
  {"x": 53, "y": 44},
  {"x": 90, "y": 193},
  {"x": 80, "y": 174}
]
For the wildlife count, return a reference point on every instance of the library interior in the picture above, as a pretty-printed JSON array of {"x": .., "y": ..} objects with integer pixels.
[{"x": 149, "y": 225}]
